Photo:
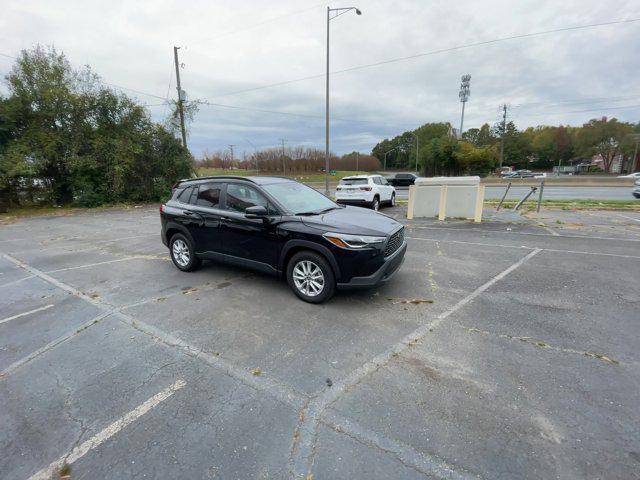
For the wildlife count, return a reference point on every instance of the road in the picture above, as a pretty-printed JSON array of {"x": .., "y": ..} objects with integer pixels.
[{"x": 552, "y": 193}]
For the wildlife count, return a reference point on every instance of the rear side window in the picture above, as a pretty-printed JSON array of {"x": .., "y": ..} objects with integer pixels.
[
  {"x": 185, "y": 194},
  {"x": 354, "y": 181},
  {"x": 209, "y": 195}
]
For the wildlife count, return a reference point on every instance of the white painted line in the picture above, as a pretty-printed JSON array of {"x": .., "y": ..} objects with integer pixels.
[
  {"x": 90, "y": 265},
  {"x": 17, "y": 281},
  {"x": 263, "y": 383},
  {"x": 500, "y": 232},
  {"x": 577, "y": 252},
  {"x": 302, "y": 450},
  {"x": 552, "y": 232},
  {"x": 8, "y": 319},
  {"x": 18, "y": 363},
  {"x": 469, "y": 243},
  {"x": 628, "y": 217},
  {"x": 105, "y": 434},
  {"x": 428, "y": 464}
]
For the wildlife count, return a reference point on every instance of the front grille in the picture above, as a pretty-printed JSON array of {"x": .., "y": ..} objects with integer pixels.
[{"x": 394, "y": 242}]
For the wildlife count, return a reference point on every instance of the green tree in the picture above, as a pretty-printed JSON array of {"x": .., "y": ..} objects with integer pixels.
[
  {"x": 603, "y": 137},
  {"x": 77, "y": 141}
]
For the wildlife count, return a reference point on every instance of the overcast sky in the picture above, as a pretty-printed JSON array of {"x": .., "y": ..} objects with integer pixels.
[{"x": 234, "y": 45}]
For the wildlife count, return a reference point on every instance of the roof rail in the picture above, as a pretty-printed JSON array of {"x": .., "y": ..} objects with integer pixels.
[{"x": 213, "y": 177}]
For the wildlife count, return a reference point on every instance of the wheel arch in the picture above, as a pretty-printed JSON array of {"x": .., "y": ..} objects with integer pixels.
[
  {"x": 294, "y": 246},
  {"x": 173, "y": 228}
]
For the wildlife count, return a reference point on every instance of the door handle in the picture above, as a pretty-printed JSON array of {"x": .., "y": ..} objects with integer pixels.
[{"x": 188, "y": 212}]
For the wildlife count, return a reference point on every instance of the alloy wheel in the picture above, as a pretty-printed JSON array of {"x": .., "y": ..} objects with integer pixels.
[
  {"x": 308, "y": 278},
  {"x": 181, "y": 252}
]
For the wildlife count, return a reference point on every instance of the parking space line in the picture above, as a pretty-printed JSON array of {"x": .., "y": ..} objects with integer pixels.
[
  {"x": 63, "y": 338},
  {"x": 303, "y": 447},
  {"x": 108, "y": 432},
  {"x": 17, "y": 281},
  {"x": 35, "y": 310},
  {"x": 124, "y": 259},
  {"x": 425, "y": 463},
  {"x": 627, "y": 217},
  {"x": 511, "y": 232},
  {"x": 276, "y": 389},
  {"x": 557, "y": 250}
]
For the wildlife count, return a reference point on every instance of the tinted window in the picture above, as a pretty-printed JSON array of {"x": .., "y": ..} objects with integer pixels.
[
  {"x": 298, "y": 198},
  {"x": 241, "y": 197},
  {"x": 404, "y": 176},
  {"x": 354, "y": 181},
  {"x": 185, "y": 194},
  {"x": 209, "y": 195},
  {"x": 377, "y": 181}
]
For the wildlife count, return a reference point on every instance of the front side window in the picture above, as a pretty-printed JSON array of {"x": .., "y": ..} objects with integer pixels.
[
  {"x": 209, "y": 195},
  {"x": 241, "y": 197},
  {"x": 298, "y": 198}
]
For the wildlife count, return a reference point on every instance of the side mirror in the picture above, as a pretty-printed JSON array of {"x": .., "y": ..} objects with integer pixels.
[{"x": 257, "y": 211}]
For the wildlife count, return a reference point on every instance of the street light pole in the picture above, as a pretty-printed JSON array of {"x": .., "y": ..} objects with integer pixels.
[
  {"x": 339, "y": 11},
  {"x": 326, "y": 146}
]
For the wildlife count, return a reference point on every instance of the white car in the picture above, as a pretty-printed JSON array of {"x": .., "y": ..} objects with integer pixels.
[
  {"x": 631, "y": 175},
  {"x": 365, "y": 190}
]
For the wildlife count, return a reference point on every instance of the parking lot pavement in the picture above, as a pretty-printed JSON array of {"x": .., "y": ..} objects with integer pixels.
[{"x": 499, "y": 350}]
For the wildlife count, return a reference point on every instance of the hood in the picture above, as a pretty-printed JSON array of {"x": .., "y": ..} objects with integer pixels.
[{"x": 353, "y": 220}]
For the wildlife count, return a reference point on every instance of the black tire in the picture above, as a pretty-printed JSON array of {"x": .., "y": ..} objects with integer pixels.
[
  {"x": 392, "y": 202},
  {"x": 328, "y": 277},
  {"x": 375, "y": 205},
  {"x": 187, "y": 260}
]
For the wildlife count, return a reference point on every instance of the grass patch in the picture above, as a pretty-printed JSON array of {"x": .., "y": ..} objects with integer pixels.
[{"x": 571, "y": 204}]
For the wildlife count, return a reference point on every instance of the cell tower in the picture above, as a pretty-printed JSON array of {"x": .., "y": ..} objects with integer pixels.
[{"x": 465, "y": 91}]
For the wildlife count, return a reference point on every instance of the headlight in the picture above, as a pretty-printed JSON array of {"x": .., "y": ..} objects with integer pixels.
[{"x": 344, "y": 240}]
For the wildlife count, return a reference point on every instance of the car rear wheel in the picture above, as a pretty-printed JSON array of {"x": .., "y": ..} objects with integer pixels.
[
  {"x": 310, "y": 277},
  {"x": 182, "y": 253}
]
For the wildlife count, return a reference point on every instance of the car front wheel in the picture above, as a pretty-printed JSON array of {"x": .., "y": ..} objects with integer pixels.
[
  {"x": 376, "y": 204},
  {"x": 182, "y": 253},
  {"x": 310, "y": 277}
]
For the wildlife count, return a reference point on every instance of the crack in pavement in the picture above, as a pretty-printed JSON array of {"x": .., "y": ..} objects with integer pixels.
[{"x": 544, "y": 345}]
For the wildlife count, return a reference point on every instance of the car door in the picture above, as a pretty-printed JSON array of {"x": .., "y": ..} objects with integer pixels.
[
  {"x": 206, "y": 211},
  {"x": 387, "y": 188},
  {"x": 252, "y": 241}
]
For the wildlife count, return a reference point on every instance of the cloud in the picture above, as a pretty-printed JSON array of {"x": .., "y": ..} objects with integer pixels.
[{"x": 544, "y": 78}]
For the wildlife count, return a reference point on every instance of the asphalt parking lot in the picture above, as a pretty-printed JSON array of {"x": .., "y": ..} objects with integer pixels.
[{"x": 499, "y": 351}]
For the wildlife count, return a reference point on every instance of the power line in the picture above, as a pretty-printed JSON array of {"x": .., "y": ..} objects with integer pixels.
[
  {"x": 263, "y": 22},
  {"x": 433, "y": 52}
]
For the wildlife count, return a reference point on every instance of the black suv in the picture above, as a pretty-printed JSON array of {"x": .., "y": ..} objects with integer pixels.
[
  {"x": 283, "y": 227},
  {"x": 402, "y": 179}
]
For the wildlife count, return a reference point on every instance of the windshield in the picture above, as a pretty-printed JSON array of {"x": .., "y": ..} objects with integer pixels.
[
  {"x": 299, "y": 199},
  {"x": 354, "y": 181}
]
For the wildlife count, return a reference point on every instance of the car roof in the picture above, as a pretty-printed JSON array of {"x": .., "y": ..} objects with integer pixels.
[{"x": 258, "y": 180}]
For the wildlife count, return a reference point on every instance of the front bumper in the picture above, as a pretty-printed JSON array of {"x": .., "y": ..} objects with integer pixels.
[{"x": 390, "y": 266}]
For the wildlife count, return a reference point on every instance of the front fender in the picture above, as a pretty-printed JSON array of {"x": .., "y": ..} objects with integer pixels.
[{"x": 324, "y": 251}]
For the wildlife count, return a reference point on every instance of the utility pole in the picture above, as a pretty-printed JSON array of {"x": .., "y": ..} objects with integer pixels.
[
  {"x": 504, "y": 128},
  {"x": 283, "y": 165},
  {"x": 465, "y": 91},
  {"x": 231, "y": 148},
  {"x": 180, "y": 97}
]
